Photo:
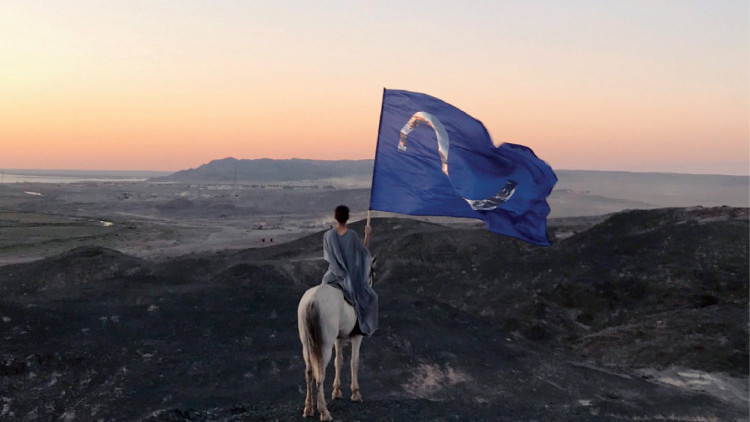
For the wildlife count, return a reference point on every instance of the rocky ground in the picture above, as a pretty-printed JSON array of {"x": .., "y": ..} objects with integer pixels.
[
  {"x": 638, "y": 316},
  {"x": 154, "y": 221}
]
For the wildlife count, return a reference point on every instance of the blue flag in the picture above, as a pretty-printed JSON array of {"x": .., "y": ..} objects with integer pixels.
[{"x": 434, "y": 159}]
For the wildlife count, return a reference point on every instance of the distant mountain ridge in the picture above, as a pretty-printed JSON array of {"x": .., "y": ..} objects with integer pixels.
[
  {"x": 272, "y": 170},
  {"x": 269, "y": 170},
  {"x": 577, "y": 192}
]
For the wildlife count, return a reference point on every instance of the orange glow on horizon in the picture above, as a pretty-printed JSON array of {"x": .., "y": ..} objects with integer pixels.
[{"x": 647, "y": 88}]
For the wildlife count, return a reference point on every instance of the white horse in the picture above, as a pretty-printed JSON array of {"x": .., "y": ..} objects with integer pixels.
[{"x": 325, "y": 319}]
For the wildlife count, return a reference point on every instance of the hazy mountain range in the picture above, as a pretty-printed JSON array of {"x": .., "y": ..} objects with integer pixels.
[
  {"x": 268, "y": 170},
  {"x": 297, "y": 169},
  {"x": 577, "y": 192}
]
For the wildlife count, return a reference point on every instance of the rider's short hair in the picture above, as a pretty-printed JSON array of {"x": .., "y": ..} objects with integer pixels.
[{"x": 342, "y": 214}]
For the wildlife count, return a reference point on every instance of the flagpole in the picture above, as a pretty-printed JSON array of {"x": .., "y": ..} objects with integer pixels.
[{"x": 374, "y": 166}]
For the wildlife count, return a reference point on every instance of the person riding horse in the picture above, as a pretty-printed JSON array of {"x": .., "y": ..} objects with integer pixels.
[
  {"x": 349, "y": 266},
  {"x": 343, "y": 307}
]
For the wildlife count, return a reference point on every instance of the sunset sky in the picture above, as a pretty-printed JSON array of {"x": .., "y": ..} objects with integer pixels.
[{"x": 168, "y": 85}]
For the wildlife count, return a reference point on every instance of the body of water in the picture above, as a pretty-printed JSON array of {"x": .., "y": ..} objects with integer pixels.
[{"x": 75, "y": 176}]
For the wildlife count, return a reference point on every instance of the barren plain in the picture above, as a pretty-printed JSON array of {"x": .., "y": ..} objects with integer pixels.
[{"x": 130, "y": 301}]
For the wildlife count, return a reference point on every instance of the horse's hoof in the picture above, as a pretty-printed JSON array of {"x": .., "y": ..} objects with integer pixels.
[
  {"x": 325, "y": 416},
  {"x": 336, "y": 395},
  {"x": 307, "y": 412},
  {"x": 356, "y": 396}
]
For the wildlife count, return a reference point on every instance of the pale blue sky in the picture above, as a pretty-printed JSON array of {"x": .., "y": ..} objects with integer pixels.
[{"x": 630, "y": 85}]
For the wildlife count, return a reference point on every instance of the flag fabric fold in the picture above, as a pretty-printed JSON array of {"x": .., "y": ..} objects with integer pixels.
[{"x": 434, "y": 159}]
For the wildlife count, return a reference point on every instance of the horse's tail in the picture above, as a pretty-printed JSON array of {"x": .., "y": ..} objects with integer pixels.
[{"x": 315, "y": 340}]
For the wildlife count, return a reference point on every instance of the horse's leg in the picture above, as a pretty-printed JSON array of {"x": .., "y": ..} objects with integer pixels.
[
  {"x": 309, "y": 381},
  {"x": 356, "y": 342},
  {"x": 325, "y": 415},
  {"x": 304, "y": 337},
  {"x": 337, "y": 363}
]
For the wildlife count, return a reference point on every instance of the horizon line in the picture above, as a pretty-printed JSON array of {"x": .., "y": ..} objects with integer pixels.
[{"x": 72, "y": 170}]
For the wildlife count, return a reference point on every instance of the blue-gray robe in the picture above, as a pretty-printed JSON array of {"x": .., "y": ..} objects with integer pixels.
[{"x": 349, "y": 264}]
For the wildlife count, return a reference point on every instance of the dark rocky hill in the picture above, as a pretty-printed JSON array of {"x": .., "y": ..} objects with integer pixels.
[
  {"x": 228, "y": 170},
  {"x": 659, "y": 287},
  {"x": 642, "y": 316}
]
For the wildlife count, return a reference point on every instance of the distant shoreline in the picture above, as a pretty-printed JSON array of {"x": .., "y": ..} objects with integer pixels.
[
  {"x": 146, "y": 174},
  {"x": 75, "y": 176},
  {"x": 7, "y": 179},
  {"x": 113, "y": 174}
]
